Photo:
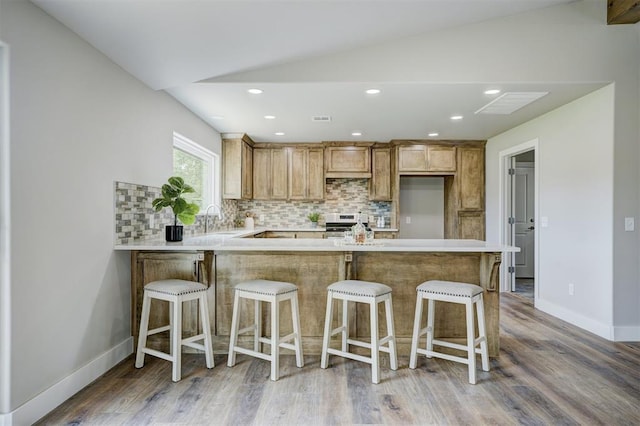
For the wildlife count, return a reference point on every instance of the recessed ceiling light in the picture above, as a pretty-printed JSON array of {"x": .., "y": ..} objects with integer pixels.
[
  {"x": 372, "y": 91},
  {"x": 270, "y": 117},
  {"x": 492, "y": 92},
  {"x": 279, "y": 133},
  {"x": 217, "y": 117},
  {"x": 255, "y": 91},
  {"x": 356, "y": 133},
  {"x": 456, "y": 117},
  {"x": 433, "y": 134}
]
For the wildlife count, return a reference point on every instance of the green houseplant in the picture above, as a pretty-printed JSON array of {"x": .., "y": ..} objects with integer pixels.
[
  {"x": 172, "y": 196},
  {"x": 314, "y": 217}
]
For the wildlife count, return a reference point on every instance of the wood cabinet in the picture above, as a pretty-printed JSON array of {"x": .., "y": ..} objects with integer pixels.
[
  {"x": 153, "y": 266},
  {"x": 380, "y": 235},
  {"x": 270, "y": 178},
  {"x": 470, "y": 178},
  {"x": 237, "y": 168},
  {"x": 471, "y": 225},
  {"x": 380, "y": 183},
  {"x": 306, "y": 174},
  {"x": 421, "y": 158},
  {"x": 347, "y": 161}
]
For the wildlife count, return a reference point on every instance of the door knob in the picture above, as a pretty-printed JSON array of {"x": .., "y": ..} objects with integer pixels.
[{"x": 531, "y": 228}]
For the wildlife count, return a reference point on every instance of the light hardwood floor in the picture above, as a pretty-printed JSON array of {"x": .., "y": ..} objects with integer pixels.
[{"x": 548, "y": 373}]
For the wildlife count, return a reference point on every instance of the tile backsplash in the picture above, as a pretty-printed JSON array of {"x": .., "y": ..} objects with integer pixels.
[{"x": 136, "y": 219}]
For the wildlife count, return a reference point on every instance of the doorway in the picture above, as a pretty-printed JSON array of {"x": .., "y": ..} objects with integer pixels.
[
  {"x": 523, "y": 213},
  {"x": 518, "y": 218}
]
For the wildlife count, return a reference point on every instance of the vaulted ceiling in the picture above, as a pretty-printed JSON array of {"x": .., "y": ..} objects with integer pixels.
[{"x": 207, "y": 54}]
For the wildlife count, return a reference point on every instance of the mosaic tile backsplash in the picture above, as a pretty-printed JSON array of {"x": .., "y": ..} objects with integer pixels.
[{"x": 135, "y": 218}]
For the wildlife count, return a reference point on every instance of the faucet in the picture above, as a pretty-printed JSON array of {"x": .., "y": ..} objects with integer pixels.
[{"x": 206, "y": 215}]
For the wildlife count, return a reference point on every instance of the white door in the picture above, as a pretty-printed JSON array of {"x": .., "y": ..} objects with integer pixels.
[{"x": 524, "y": 219}]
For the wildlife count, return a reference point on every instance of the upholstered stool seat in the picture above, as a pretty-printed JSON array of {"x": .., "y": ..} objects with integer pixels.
[
  {"x": 453, "y": 292},
  {"x": 175, "y": 292},
  {"x": 370, "y": 293},
  {"x": 273, "y": 292}
]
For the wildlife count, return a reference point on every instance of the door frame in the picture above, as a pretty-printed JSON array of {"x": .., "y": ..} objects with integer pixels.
[{"x": 505, "y": 199}]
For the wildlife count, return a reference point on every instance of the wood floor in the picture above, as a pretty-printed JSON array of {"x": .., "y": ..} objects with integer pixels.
[{"x": 548, "y": 373}]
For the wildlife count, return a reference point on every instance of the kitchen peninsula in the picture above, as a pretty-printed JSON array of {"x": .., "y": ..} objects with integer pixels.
[{"x": 224, "y": 259}]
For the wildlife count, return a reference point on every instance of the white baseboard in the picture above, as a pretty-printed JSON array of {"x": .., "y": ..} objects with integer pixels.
[
  {"x": 595, "y": 327},
  {"x": 41, "y": 404},
  {"x": 626, "y": 334}
]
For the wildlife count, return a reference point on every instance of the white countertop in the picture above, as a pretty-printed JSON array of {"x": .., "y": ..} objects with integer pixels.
[{"x": 233, "y": 241}]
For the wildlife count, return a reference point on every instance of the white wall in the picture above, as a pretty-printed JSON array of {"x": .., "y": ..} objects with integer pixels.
[
  {"x": 422, "y": 200},
  {"x": 79, "y": 122},
  {"x": 575, "y": 152}
]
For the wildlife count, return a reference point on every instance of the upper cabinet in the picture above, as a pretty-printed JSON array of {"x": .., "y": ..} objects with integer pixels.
[
  {"x": 380, "y": 183},
  {"x": 347, "y": 161},
  {"x": 415, "y": 159},
  {"x": 306, "y": 173},
  {"x": 270, "y": 178},
  {"x": 237, "y": 168},
  {"x": 470, "y": 178}
]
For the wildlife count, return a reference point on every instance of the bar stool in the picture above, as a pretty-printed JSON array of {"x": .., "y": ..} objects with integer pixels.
[
  {"x": 454, "y": 292},
  {"x": 273, "y": 292},
  {"x": 360, "y": 292},
  {"x": 175, "y": 292}
]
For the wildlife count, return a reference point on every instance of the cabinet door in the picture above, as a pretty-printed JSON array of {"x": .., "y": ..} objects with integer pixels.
[
  {"x": 441, "y": 158},
  {"x": 261, "y": 174},
  {"x": 247, "y": 171},
  {"x": 298, "y": 161},
  {"x": 315, "y": 174},
  {"x": 471, "y": 225},
  {"x": 279, "y": 174},
  {"x": 470, "y": 178},
  {"x": 348, "y": 161},
  {"x": 380, "y": 184},
  {"x": 412, "y": 158},
  {"x": 310, "y": 234}
]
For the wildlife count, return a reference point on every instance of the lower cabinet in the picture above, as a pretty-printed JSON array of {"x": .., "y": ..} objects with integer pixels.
[
  {"x": 385, "y": 235},
  {"x": 294, "y": 234},
  {"x": 154, "y": 266}
]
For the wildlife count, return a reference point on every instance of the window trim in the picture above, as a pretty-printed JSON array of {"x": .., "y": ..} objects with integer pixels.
[{"x": 190, "y": 147}]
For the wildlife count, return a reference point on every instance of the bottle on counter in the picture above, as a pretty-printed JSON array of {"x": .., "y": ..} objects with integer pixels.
[{"x": 359, "y": 232}]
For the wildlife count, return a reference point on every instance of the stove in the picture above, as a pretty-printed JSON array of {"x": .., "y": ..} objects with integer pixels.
[{"x": 337, "y": 223}]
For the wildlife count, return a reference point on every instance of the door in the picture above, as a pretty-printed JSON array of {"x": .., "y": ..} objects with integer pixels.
[{"x": 524, "y": 219}]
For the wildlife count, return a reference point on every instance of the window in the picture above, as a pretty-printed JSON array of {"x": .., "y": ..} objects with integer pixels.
[{"x": 199, "y": 168}]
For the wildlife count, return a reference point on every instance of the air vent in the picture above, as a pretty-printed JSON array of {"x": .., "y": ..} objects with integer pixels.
[
  {"x": 510, "y": 102},
  {"x": 321, "y": 118}
]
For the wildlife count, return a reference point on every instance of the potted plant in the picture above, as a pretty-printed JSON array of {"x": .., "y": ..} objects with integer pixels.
[
  {"x": 314, "y": 217},
  {"x": 172, "y": 196}
]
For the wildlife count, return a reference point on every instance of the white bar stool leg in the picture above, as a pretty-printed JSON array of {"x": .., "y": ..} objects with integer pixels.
[
  {"x": 324, "y": 360},
  {"x": 176, "y": 340},
  {"x": 413, "y": 359},
  {"x": 233, "y": 335},
  {"x": 345, "y": 325},
  {"x": 257, "y": 334},
  {"x": 144, "y": 327},
  {"x": 393, "y": 355},
  {"x": 375, "y": 343},
  {"x": 295, "y": 314},
  {"x": 431, "y": 306},
  {"x": 275, "y": 338},
  {"x": 484, "y": 349},
  {"x": 471, "y": 346},
  {"x": 206, "y": 329}
]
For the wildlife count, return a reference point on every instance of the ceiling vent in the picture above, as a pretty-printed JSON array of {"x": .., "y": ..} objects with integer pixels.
[
  {"x": 510, "y": 102},
  {"x": 321, "y": 118}
]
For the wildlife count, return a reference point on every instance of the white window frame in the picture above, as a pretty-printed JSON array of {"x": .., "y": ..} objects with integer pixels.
[{"x": 190, "y": 147}]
